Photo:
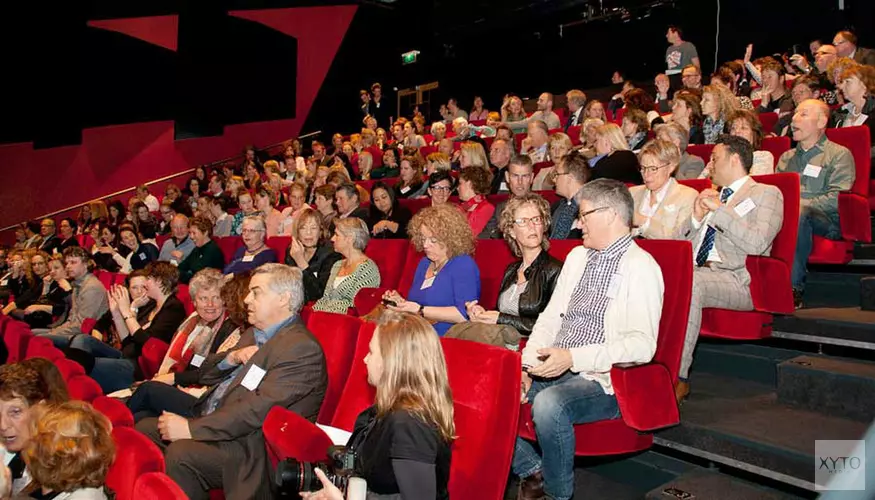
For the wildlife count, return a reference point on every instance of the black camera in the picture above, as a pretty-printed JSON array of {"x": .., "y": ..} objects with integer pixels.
[{"x": 294, "y": 476}]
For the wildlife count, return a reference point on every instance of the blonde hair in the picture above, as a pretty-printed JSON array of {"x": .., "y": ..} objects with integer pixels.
[
  {"x": 588, "y": 124},
  {"x": 440, "y": 160},
  {"x": 727, "y": 103},
  {"x": 271, "y": 166},
  {"x": 614, "y": 134},
  {"x": 414, "y": 375},
  {"x": 369, "y": 137},
  {"x": 438, "y": 126},
  {"x": 98, "y": 210},
  {"x": 562, "y": 138},
  {"x": 366, "y": 162},
  {"x": 475, "y": 153},
  {"x": 664, "y": 152}
]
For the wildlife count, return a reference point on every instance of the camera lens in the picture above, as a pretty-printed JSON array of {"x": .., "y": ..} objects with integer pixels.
[{"x": 293, "y": 477}]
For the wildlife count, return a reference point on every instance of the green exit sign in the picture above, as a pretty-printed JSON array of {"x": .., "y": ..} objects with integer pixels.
[{"x": 409, "y": 57}]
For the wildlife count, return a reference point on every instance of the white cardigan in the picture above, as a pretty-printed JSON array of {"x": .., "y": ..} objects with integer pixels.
[{"x": 631, "y": 320}]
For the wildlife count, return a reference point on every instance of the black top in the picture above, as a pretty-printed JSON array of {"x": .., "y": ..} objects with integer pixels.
[
  {"x": 360, "y": 212},
  {"x": 191, "y": 374},
  {"x": 106, "y": 262},
  {"x": 105, "y": 325},
  {"x": 317, "y": 272},
  {"x": 69, "y": 242},
  {"x": 163, "y": 326},
  {"x": 779, "y": 105},
  {"x": 51, "y": 245},
  {"x": 25, "y": 292},
  {"x": 497, "y": 179},
  {"x": 144, "y": 254},
  {"x": 410, "y": 192},
  {"x": 400, "y": 214},
  {"x": 541, "y": 276},
  {"x": 401, "y": 442},
  {"x": 620, "y": 165}
]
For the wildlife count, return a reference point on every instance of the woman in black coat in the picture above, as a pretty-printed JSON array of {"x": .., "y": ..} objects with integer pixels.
[{"x": 387, "y": 219}]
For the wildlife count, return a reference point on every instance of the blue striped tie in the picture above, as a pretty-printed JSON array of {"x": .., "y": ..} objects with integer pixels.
[{"x": 710, "y": 234}]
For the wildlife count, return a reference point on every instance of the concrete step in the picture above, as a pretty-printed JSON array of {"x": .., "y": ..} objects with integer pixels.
[
  {"x": 710, "y": 485},
  {"x": 827, "y": 385},
  {"x": 745, "y": 361},
  {"x": 842, "y": 326}
]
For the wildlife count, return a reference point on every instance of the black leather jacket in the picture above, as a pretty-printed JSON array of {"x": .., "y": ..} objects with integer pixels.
[{"x": 541, "y": 276}]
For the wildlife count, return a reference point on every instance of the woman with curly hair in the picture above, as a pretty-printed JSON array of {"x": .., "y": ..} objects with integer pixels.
[
  {"x": 70, "y": 452},
  {"x": 474, "y": 185},
  {"x": 717, "y": 104},
  {"x": 447, "y": 277}
]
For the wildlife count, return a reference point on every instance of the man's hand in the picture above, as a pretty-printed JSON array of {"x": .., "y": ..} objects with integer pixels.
[
  {"x": 176, "y": 254},
  {"x": 558, "y": 362},
  {"x": 710, "y": 199},
  {"x": 173, "y": 427},
  {"x": 241, "y": 356},
  {"x": 525, "y": 385},
  {"x": 799, "y": 61},
  {"x": 700, "y": 207}
]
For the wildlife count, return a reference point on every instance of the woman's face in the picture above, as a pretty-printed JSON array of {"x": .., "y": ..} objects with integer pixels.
[
  {"x": 709, "y": 105},
  {"x": 446, "y": 147},
  {"x": 209, "y": 304},
  {"x": 381, "y": 136},
  {"x": 655, "y": 174},
  {"x": 408, "y": 129},
  {"x": 86, "y": 212},
  {"x": 194, "y": 186},
  {"x": 113, "y": 212},
  {"x": 435, "y": 250},
  {"x": 296, "y": 199},
  {"x": 143, "y": 214},
  {"x": 15, "y": 416},
  {"x": 596, "y": 110},
  {"x": 233, "y": 185},
  {"x": 200, "y": 174},
  {"x": 106, "y": 236},
  {"x": 466, "y": 190},
  {"x": 406, "y": 171},
  {"x": 129, "y": 239},
  {"x": 251, "y": 171},
  {"x": 557, "y": 150},
  {"x": 388, "y": 159},
  {"x": 516, "y": 106},
  {"x": 171, "y": 194},
  {"x": 253, "y": 235},
  {"x": 374, "y": 360},
  {"x": 337, "y": 141},
  {"x": 465, "y": 159},
  {"x": 531, "y": 233},
  {"x": 629, "y": 128},
  {"x": 308, "y": 233},
  {"x": 602, "y": 144},
  {"x": 440, "y": 192},
  {"x": 341, "y": 242},
  {"x": 197, "y": 236},
  {"x": 478, "y": 103},
  {"x": 262, "y": 202},
  {"x": 679, "y": 109},
  {"x": 39, "y": 265},
  {"x": 245, "y": 203},
  {"x": 66, "y": 229},
  {"x": 398, "y": 132},
  {"x": 381, "y": 199},
  {"x": 741, "y": 128},
  {"x": 439, "y": 133},
  {"x": 347, "y": 150},
  {"x": 323, "y": 204},
  {"x": 852, "y": 88},
  {"x": 137, "y": 287},
  {"x": 57, "y": 270},
  {"x": 153, "y": 289}
]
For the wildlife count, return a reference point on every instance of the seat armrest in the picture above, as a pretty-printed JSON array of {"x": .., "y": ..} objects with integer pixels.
[
  {"x": 770, "y": 287},
  {"x": 645, "y": 394},
  {"x": 854, "y": 217}
]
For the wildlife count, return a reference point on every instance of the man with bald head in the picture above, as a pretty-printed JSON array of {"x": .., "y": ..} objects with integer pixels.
[
  {"x": 825, "y": 169},
  {"x": 179, "y": 245},
  {"x": 846, "y": 46},
  {"x": 544, "y": 113}
]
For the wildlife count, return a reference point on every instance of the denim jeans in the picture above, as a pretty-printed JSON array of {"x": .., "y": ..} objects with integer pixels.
[
  {"x": 96, "y": 348},
  {"x": 111, "y": 370},
  {"x": 811, "y": 223},
  {"x": 558, "y": 404},
  {"x": 60, "y": 341}
]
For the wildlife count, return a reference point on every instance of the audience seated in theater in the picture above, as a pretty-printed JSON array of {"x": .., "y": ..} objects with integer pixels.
[
  {"x": 324, "y": 202},
  {"x": 635, "y": 128},
  {"x": 346, "y": 198},
  {"x": 825, "y": 169},
  {"x": 587, "y": 137},
  {"x": 235, "y": 185},
  {"x": 247, "y": 208},
  {"x": 580, "y": 336},
  {"x": 106, "y": 241},
  {"x": 613, "y": 158},
  {"x": 387, "y": 218},
  {"x": 254, "y": 251},
  {"x": 690, "y": 166},
  {"x": 718, "y": 104},
  {"x": 21, "y": 390},
  {"x": 804, "y": 87},
  {"x": 774, "y": 95},
  {"x": 536, "y": 143},
  {"x": 179, "y": 245},
  {"x": 193, "y": 191},
  {"x": 365, "y": 164},
  {"x": 351, "y": 273},
  {"x": 569, "y": 176},
  {"x": 454, "y": 110},
  {"x": 88, "y": 297},
  {"x": 641, "y": 100},
  {"x": 141, "y": 215},
  {"x": 661, "y": 98},
  {"x": 116, "y": 369},
  {"x": 686, "y": 111},
  {"x": 51, "y": 243},
  {"x": 438, "y": 131},
  {"x": 726, "y": 77},
  {"x": 410, "y": 183},
  {"x": 70, "y": 452},
  {"x": 216, "y": 187},
  {"x": 473, "y": 154},
  {"x": 250, "y": 156},
  {"x": 275, "y": 186},
  {"x": 662, "y": 205},
  {"x": 311, "y": 252},
  {"x": 406, "y": 436},
  {"x": 559, "y": 145},
  {"x": 440, "y": 187},
  {"x": 252, "y": 176},
  {"x": 528, "y": 283},
  {"x": 273, "y": 219},
  {"x": 177, "y": 199},
  {"x": 505, "y": 133},
  {"x": 411, "y": 138},
  {"x": 447, "y": 277},
  {"x": 219, "y": 214},
  {"x": 446, "y": 147},
  {"x": 25, "y": 281},
  {"x": 857, "y": 84},
  {"x": 147, "y": 198},
  {"x": 91, "y": 214},
  {"x": 595, "y": 109},
  {"x": 209, "y": 330},
  {"x": 746, "y": 124},
  {"x": 206, "y": 253},
  {"x": 216, "y": 440},
  {"x": 167, "y": 213},
  {"x": 618, "y": 100},
  {"x": 141, "y": 307},
  {"x": 576, "y": 100},
  {"x": 32, "y": 237},
  {"x": 500, "y": 153},
  {"x": 846, "y": 46},
  {"x": 390, "y": 165},
  {"x": 474, "y": 185},
  {"x": 518, "y": 177},
  {"x": 51, "y": 306},
  {"x": 478, "y": 112},
  {"x": 512, "y": 114},
  {"x": 68, "y": 229},
  {"x": 741, "y": 220}
]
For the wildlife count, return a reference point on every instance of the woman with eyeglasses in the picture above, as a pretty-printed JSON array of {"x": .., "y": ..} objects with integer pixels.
[
  {"x": 440, "y": 187},
  {"x": 662, "y": 205},
  {"x": 528, "y": 283},
  {"x": 254, "y": 251}
]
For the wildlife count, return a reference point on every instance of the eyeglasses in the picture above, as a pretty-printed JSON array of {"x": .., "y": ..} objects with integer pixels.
[
  {"x": 251, "y": 231},
  {"x": 651, "y": 170},
  {"x": 524, "y": 221},
  {"x": 554, "y": 174},
  {"x": 590, "y": 212},
  {"x": 441, "y": 188}
]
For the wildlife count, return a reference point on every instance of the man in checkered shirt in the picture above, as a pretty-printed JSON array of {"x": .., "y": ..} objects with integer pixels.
[{"x": 605, "y": 310}]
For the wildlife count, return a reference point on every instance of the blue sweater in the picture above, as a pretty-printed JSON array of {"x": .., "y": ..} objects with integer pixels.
[{"x": 458, "y": 282}]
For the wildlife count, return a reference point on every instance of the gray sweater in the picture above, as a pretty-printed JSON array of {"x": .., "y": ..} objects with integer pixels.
[{"x": 89, "y": 301}]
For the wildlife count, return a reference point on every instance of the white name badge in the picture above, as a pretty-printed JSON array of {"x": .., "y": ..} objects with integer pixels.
[
  {"x": 142, "y": 255},
  {"x": 248, "y": 258},
  {"x": 503, "y": 187},
  {"x": 173, "y": 262},
  {"x": 744, "y": 207},
  {"x": 427, "y": 283},
  {"x": 812, "y": 171},
  {"x": 405, "y": 190},
  {"x": 253, "y": 377},
  {"x": 614, "y": 286},
  {"x": 197, "y": 360},
  {"x": 55, "y": 251}
]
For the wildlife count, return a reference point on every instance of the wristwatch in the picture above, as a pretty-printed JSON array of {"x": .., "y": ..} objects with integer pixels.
[{"x": 421, "y": 310}]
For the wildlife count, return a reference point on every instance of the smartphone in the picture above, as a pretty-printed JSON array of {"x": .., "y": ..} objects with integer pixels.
[{"x": 388, "y": 302}]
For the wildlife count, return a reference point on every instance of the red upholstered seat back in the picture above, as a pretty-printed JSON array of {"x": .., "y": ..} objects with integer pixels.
[
  {"x": 550, "y": 196},
  {"x": 495, "y": 199},
  {"x": 157, "y": 486},
  {"x": 41, "y": 347},
  {"x": 280, "y": 245},
  {"x": 703, "y": 151},
  {"x": 160, "y": 239},
  {"x": 229, "y": 245},
  {"x": 357, "y": 393},
  {"x": 784, "y": 244},
  {"x": 776, "y": 145},
  {"x": 675, "y": 259},
  {"x": 858, "y": 140},
  {"x": 287, "y": 434},
  {"x": 83, "y": 388},
  {"x": 389, "y": 255},
  {"x": 416, "y": 204},
  {"x": 574, "y": 134},
  {"x": 16, "y": 336},
  {"x": 69, "y": 368},
  {"x": 561, "y": 248},
  {"x": 135, "y": 455},
  {"x": 151, "y": 356},
  {"x": 768, "y": 120},
  {"x": 410, "y": 263},
  {"x": 427, "y": 150},
  {"x": 183, "y": 294},
  {"x": 697, "y": 184},
  {"x": 492, "y": 257},
  {"x": 116, "y": 411},
  {"x": 337, "y": 333}
]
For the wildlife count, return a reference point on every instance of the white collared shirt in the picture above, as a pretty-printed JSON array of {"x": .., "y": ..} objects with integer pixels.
[{"x": 714, "y": 255}]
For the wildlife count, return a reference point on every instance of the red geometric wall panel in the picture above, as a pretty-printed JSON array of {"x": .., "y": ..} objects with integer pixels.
[{"x": 157, "y": 30}]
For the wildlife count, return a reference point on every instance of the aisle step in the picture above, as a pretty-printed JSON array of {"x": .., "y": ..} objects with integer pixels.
[{"x": 827, "y": 385}]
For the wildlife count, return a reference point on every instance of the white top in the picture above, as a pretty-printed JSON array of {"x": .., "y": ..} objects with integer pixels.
[{"x": 152, "y": 203}]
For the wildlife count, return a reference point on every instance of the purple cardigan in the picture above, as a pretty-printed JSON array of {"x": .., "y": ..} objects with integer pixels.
[{"x": 238, "y": 266}]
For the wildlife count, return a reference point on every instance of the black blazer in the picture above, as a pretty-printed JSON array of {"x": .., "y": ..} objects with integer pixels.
[
  {"x": 400, "y": 214},
  {"x": 317, "y": 272},
  {"x": 542, "y": 276},
  {"x": 620, "y": 165},
  {"x": 163, "y": 327}
]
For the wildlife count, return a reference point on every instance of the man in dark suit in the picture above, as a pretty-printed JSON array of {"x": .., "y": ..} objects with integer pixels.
[
  {"x": 277, "y": 362},
  {"x": 348, "y": 204},
  {"x": 51, "y": 243},
  {"x": 576, "y": 101},
  {"x": 846, "y": 46}
]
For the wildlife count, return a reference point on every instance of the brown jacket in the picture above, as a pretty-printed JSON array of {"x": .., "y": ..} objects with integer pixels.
[{"x": 296, "y": 379}]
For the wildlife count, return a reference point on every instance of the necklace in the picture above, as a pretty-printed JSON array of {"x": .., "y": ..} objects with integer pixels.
[{"x": 254, "y": 252}]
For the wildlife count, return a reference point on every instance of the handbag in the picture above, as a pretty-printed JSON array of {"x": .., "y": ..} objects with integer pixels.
[{"x": 484, "y": 333}]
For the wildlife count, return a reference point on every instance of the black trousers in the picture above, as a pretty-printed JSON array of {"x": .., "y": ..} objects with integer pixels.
[{"x": 153, "y": 398}]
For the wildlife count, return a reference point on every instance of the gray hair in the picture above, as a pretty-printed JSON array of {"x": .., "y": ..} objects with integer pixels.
[
  {"x": 677, "y": 132},
  {"x": 460, "y": 121},
  {"x": 609, "y": 193},
  {"x": 205, "y": 279},
  {"x": 284, "y": 279},
  {"x": 355, "y": 227}
]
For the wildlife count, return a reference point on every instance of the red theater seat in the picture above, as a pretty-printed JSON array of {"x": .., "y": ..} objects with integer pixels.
[
  {"x": 768, "y": 120},
  {"x": 229, "y": 246},
  {"x": 160, "y": 239},
  {"x": 17, "y": 337},
  {"x": 368, "y": 298},
  {"x": 776, "y": 145},
  {"x": 41, "y": 347},
  {"x": 561, "y": 248},
  {"x": 697, "y": 184},
  {"x": 427, "y": 150},
  {"x": 157, "y": 486},
  {"x": 280, "y": 245},
  {"x": 69, "y": 368},
  {"x": 770, "y": 286},
  {"x": 152, "y": 356},
  {"x": 518, "y": 140},
  {"x": 116, "y": 411},
  {"x": 357, "y": 393},
  {"x": 83, "y": 388},
  {"x": 416, "y": 204},
  {"x": 289, "y": 435},
  {"x": 337, "y": 333},
  {"x": 107, "y": 279},
  {"x": 574, "y": 134},
  {"x": 136, "y": 455},
  {"x": 703, "y": 151},
  {"x": 645, "y": 393},
  {"x": 183, "y": 294},
  {"x": 389, "y": 255},
  {"x": 492, "y": 258}
]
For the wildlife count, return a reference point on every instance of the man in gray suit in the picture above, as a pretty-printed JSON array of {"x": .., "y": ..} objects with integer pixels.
[
  {"x": 277, "y": 362},
  {"x": 846, "y": 46},
  {"x": 727, "y": 226}
]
